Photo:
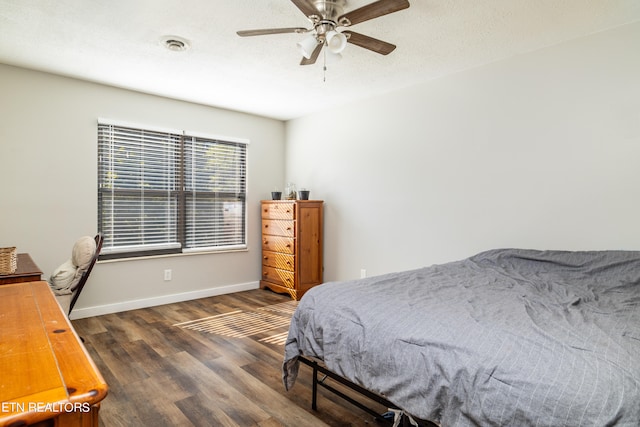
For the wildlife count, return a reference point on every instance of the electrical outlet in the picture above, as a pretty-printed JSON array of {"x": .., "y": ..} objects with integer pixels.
[
  {"x": 167, "y": 275},
  {"x": 363, "y": 273}
]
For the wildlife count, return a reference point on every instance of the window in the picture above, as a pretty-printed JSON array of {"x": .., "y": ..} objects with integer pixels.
[{"x": 165, "y": 191}]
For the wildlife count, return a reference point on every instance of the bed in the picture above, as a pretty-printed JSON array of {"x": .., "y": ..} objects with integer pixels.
[{"x": 508, "y": 337}]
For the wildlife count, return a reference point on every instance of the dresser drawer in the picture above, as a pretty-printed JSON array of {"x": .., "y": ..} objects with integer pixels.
[
  {"x": 278, "y": 227},
  {"x": 278, "y": 260},
  {"x": 278, "y": 244},
  {"x": 278, "y": 210},
  {"x": 277, "y": 276}
]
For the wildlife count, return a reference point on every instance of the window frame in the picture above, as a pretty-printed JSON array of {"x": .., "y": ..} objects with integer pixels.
[{"x": 180, "y": 195}]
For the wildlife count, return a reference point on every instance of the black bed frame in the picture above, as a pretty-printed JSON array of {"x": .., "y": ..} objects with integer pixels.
[{"x": 320, "y": 369}]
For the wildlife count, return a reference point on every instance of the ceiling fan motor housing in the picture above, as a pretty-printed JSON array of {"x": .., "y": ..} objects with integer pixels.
[{"x": 330, "y": 9}]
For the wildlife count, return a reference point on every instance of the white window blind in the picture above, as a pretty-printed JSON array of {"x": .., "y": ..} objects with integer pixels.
[
  {"x": 214, "y": 192},
  {"x": 164, "y": 192}
]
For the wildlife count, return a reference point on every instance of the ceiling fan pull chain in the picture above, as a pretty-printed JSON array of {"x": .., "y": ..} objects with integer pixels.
[{"x": 324, "y": 67}]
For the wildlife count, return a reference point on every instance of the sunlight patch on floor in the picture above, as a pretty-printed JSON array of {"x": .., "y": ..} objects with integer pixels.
[{"x": 243, "y": 324}]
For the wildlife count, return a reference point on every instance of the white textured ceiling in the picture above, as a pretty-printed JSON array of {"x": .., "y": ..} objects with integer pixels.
[{"x": 118, "y": 42}]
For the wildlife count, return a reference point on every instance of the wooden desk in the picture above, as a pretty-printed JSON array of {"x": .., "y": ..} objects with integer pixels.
[
  {"x": 45, "y": 371},
  {"x": 26, "y": 271}
]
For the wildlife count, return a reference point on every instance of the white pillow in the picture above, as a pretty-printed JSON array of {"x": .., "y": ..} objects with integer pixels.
[
  {"x": 62, "y": 278},
  {"x": 83, "y": 251}
]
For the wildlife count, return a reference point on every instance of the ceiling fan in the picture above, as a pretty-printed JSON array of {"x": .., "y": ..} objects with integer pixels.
[{"x": 326, "y": 16}]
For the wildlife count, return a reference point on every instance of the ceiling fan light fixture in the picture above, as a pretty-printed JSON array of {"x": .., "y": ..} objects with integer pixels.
[
  {"x": 336, "y": 42},
  {"x": 307, "y": 46}
]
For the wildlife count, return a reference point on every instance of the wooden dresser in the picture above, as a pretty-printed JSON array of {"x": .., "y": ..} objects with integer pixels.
[
  {"x": 26, "y": 271},
  {"x": 291, "y": 245}
]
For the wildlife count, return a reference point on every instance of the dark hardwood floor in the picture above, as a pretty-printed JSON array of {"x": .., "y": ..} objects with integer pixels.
[{"x": 164, "y": 367}]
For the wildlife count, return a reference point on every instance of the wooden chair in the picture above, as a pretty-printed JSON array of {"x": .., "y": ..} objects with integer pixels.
[{"x": 83, "y": 279}]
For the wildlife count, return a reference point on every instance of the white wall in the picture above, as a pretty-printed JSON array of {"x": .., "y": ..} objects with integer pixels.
[
  {"x": 538, "y": 151},
  {"x": 48, "y": 175}
]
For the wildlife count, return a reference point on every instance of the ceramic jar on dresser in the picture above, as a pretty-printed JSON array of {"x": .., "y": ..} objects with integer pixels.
[{"x": 291, "y": 245}]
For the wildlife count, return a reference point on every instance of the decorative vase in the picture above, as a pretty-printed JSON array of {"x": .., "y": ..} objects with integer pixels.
[{"x": 290, "y": 192}]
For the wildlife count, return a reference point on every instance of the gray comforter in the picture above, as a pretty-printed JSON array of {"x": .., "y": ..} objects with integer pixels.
[{"x": 504, "y": 338}]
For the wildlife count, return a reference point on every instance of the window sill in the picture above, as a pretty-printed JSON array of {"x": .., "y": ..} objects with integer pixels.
[{"x": 173, "y": 255}]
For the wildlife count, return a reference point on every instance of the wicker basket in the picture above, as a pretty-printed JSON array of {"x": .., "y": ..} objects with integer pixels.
[{"x": 8, "y": 260}]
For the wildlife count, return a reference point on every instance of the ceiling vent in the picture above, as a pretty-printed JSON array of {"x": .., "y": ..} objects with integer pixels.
[{"x": 175, "y": 43}]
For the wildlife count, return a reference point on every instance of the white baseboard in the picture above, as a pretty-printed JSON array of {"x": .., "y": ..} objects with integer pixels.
[{"x": 81, "y": 313}]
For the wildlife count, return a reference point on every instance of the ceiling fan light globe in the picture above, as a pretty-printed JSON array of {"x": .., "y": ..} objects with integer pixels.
[
  {"x": 307, "y": 45},
  {"x": 336, "y": 42}
]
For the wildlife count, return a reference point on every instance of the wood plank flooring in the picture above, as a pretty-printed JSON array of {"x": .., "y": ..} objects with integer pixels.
[{"x": 163, "y": 374}]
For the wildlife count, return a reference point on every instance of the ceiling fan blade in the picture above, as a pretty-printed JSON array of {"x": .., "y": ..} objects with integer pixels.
[
  {"x": 314, "y": 56},
  {"x": 307, "y": 7},
  {"x": 247, "y": 33},
  {"x": 372, "y": 10},
  {"x": 370, "y": 43}
]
